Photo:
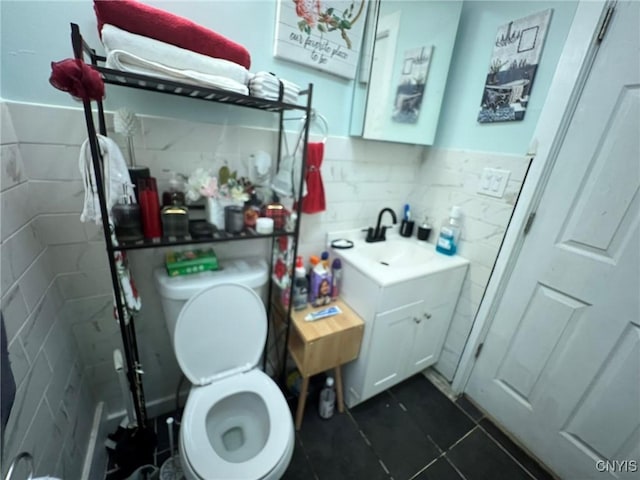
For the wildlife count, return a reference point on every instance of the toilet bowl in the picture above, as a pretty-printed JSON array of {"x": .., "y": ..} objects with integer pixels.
[
  {"x": 236, "y": 423},
  {"x": 237, "y": 428}
]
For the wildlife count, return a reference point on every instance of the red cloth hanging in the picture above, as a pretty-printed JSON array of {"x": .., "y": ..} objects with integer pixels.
[
  {"x": 76, "y": 77},
  {"x": 314, "y": 201}
]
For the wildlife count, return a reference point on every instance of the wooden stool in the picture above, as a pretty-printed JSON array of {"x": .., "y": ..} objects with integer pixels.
[{"x": 323, "y": 345}]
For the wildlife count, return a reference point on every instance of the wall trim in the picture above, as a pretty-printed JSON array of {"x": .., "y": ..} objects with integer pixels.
[
  {"x": 568, "y": 81},
  {"x": 95, "y": 460}
]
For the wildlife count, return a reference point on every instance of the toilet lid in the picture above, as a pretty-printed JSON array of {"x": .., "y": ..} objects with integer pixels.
[{"x": 220, "y": 330}]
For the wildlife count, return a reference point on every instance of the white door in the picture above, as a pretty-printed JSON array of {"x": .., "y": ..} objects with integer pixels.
[{"x": 560, "y": 367}]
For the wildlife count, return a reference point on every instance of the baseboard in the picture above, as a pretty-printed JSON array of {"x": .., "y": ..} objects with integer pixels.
[
  {"x": 95, "y": 460},
  {"x": 155, "y": 408},
  {"x": 440, "y": 382}
]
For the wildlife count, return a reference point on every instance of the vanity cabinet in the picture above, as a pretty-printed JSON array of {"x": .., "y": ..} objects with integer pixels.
[{"x": 405, "y": 327}]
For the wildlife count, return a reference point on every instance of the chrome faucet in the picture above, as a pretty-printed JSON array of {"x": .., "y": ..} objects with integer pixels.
[{"x": 379, "y": 233}]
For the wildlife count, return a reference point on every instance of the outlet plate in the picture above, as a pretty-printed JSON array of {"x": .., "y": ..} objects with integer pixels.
[{"x": 493, "y": 182}]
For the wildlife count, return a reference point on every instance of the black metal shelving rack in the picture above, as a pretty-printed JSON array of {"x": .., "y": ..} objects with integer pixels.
[{"x": 162, "y": 86}]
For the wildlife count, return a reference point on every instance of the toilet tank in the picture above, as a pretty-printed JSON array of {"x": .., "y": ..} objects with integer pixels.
[{"x": 175, "y": 291}]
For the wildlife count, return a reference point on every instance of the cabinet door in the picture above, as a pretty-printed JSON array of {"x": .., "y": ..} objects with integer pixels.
[
  {"x": 431, "y": 328},
  {"x": 391, "y": 343}
]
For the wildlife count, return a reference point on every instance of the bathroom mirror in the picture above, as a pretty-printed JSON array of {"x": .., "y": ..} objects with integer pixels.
[{"x": 411, "y": 48}]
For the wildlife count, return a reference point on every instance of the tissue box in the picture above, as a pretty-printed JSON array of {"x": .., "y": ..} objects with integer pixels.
[
  {"x": 319, "y": 288},
  {"x": 191, "y": 261}
]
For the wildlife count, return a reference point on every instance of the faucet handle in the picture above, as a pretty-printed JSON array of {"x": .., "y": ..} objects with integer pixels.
[{"x": 371, "y": 235}]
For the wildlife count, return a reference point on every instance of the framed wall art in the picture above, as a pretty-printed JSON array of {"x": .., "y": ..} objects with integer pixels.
[
  {"x": 512, "y": 69},
  {"x": 322, "y": 34}
]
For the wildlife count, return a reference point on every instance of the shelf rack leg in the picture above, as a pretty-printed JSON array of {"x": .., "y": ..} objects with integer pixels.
[{"x": 124, "y": 320}]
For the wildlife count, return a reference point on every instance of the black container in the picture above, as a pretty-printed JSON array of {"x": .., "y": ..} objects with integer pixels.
[
  {"x": 424, "y": 233},
  {"x": 406, "y": 228},
  {"x": 128, "y": 226},
  {"x": 233, "y": 219},
  {"x": 136, "y": 173}
]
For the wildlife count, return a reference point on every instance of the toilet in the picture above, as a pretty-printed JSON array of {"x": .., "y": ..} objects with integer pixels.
[{"x": 236, "y": 423}]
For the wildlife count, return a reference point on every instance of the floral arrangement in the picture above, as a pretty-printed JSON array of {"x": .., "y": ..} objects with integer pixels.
[
  {"x": 201, "y": 183},
  {"x": 327, "y": 19}
]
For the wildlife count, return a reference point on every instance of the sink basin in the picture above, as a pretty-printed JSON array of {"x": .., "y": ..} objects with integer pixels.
[
  {"x": 397, "y": 253},
  {"x": 394, "y": 260}
]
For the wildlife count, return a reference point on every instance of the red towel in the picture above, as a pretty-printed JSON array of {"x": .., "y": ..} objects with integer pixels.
[
  {"x": 76, "y": 77},
  {"x": 136, "y": 17},
  {"x": 315, "y": 201}
]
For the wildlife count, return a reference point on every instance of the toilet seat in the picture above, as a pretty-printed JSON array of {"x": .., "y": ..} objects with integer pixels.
[{"x": 198, "y": 449}]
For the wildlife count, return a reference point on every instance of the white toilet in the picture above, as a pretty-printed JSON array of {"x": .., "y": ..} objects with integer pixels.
[{"x": 236, "y": 423}]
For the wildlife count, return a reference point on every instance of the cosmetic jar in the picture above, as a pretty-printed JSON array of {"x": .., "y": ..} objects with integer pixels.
[
  {"x": 233, "y": 219},
  {"x": 264, "y": 225}
]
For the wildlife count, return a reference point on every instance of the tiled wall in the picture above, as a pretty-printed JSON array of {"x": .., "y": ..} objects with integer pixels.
[
  {"x": 53, "y": 410},
  {"x": 360, "y": 178},
  {"x": 452, "y": 177}
]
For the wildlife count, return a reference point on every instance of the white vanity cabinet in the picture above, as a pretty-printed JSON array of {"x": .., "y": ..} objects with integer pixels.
[{"x": 405, "y": 327}]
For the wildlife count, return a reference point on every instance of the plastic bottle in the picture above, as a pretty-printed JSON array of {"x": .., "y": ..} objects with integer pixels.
[
  {"x": 336, "y": 278},
  {"x": 175, "y": 194},
  {"x": 314, "y": 260},
  {"x": 300, "y": 286},
  {"x": 324, "y": 258},
  {"x": 327, "y": 399},
  {"x": 450, "y": 233}
]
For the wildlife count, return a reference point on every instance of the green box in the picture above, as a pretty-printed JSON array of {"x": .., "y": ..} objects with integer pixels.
[{"x": 191, "y": 261}]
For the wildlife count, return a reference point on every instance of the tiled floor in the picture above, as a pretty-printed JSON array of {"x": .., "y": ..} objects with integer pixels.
[{"x": 412, "y": 431}]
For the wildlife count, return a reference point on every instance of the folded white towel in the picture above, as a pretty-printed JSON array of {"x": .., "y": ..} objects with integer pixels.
[
  {"x": 171, "y": 56},
  {"x": 127, "y": 62},
  {"x": 266, "y": 85}
]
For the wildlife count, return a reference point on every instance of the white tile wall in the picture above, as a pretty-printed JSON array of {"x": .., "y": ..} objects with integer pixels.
[
  {"x": 42, "y": 351},
  {"x": 10, "y": 166},
  {"x": 15, "y": 209},
  {"x": 61, "y": 228},
  {"x": 360, "y": 178},
  {"x": 447, "y": 178}
]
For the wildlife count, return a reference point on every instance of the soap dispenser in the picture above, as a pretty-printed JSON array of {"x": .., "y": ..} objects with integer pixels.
[{"x": 450, "y": 233}]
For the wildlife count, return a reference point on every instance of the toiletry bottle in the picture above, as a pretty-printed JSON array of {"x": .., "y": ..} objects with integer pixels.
[
  {"x": 336, "y": 278},
  {"x": 126, "y": 215},
  {"x": 324, "y": 258},
  {"x": 149, "y": 207},
  {"x": 175, "y": 220},
  {"x": 314, "y": 260},
  {"x": 450, "y": 233},
  {"x": 327, "y": 399},
  {"x": 175, "y": 194},
  {"x": 300, "y": 286}
]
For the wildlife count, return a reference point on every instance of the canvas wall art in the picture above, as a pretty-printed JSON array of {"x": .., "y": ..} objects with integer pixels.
[
  {"x": 515, "y": 59},
  {"x": 323, "y": 34}
]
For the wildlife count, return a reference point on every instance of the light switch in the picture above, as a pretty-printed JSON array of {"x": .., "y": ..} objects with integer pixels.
[{"x": 493, "y": 182}]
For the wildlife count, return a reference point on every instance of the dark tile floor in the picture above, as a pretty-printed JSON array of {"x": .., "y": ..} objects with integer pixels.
[{"x": 412, "y": 431}]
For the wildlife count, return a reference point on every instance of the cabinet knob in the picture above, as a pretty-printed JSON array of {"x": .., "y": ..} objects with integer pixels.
[
  {"x": 426, "y": 315},
  {"x": 417, "y": 320}
]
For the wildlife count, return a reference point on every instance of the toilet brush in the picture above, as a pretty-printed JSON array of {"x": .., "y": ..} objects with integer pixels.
[
  {"x": 126, "y": 123},
  {"x": 171, "y": 468}
]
